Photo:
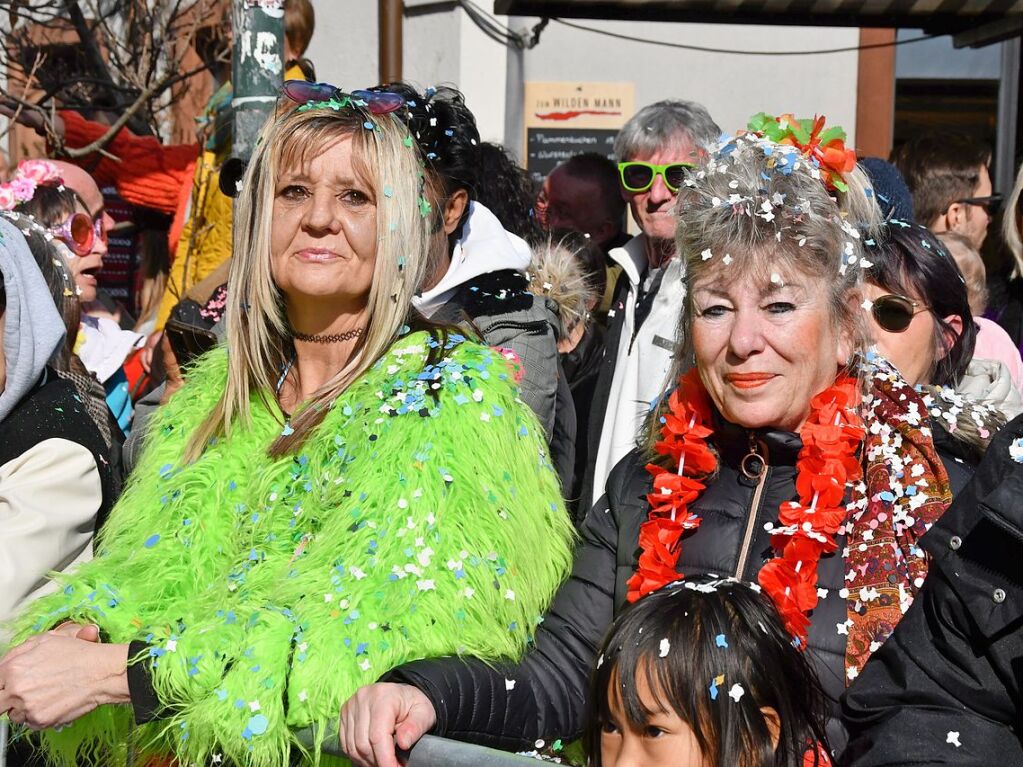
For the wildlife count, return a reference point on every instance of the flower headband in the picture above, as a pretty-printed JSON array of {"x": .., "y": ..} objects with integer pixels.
[
  {"x": 825, "y": 147},
  {"x": 29, "y": 175}
]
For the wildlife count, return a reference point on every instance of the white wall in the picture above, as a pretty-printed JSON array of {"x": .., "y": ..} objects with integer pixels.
[
  {"x": 483, "y": 79},
  {"x": 344, "y": 45},
  {"x": 732, "y": 87},
  {"x": 446, "y": 47},
  {"x": 439, "y": 47},
  {"x": 431, "y": 51}
]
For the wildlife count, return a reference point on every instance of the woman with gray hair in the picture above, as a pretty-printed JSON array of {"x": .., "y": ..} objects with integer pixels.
[{"x": 787, "y": 454}]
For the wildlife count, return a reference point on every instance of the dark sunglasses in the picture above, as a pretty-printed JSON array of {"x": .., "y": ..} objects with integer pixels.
[
  {"x": 377, "y": 102},
  {"x": 992, "y": 203},
  {"x": 639, "y": 176},
  {"x": 79, "y": 232},
  {"x": 895, "y": 313}
]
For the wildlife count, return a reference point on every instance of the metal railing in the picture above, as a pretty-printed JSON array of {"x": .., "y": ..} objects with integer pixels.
[{"x": 430, "y": 751}]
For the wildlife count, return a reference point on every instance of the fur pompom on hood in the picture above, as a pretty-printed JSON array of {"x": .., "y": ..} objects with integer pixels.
[{"x": 557, "y": 274}]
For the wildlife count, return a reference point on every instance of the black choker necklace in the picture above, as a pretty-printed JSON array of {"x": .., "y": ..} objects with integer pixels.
[{"x": 333, "y": 338}]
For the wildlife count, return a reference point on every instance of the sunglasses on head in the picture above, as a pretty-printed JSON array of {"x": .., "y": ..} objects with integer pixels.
[
  {"x": 895, "y": 313},
  {"x": 377, "y": 102},
  {"x": 79, "y": 232},
  {"x": 991, "y": 204},
  {"x": 639, "y": 176}
]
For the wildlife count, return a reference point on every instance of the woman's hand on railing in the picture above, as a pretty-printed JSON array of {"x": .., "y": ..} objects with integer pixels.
[
  {"x": 56, "y": 677},
  {"x": 381, "y": 718}
]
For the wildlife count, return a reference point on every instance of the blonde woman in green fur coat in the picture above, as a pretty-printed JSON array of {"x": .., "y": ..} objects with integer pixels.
[{"x": 333, "y": 494}]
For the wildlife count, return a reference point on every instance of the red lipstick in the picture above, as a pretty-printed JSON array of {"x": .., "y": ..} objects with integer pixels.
[{"x": 748, "y": 380}]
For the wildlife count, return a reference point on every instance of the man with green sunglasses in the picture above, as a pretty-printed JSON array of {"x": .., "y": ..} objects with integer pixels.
[
  {"x": 638, "y": 176},
  {"x": 656, "y": 149}
]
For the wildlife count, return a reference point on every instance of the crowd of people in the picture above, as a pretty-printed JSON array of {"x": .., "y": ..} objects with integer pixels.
[{"x": 405, "y": 444}]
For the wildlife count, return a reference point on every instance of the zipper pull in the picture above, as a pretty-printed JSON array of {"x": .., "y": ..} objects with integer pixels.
[{"x": 753, "y": 464}]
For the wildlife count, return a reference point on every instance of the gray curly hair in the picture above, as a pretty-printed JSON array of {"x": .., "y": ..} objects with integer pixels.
[{"x": 756, "y": 207}]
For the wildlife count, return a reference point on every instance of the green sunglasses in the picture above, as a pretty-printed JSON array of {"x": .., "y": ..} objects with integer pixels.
[{"x": 639, "y": 176}]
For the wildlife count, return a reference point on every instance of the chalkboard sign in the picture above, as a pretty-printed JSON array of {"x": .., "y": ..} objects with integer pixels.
[{"x": 546, "y": 148}]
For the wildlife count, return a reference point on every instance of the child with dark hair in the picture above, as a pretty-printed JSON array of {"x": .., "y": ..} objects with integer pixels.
[{"x": 701, "y": 673}]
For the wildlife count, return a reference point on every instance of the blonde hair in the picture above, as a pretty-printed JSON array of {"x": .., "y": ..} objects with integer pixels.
[
  {"x": 971, "y": 266},
  {"x": 555, "y": 272},
  {"x": 258, "y": 333},
  {"x": 754, "y": 206},
  {"x": 1011, "y": 226}
]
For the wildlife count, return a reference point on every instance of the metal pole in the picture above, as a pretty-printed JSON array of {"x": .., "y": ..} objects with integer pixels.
[
  {"x": 257, "y": 68},
  {"x": 390, "y": 21},
  {"x": 1008, "y": 108}
]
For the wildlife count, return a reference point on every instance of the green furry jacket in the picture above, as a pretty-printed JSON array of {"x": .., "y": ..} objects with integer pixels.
[{"x": 421, "y": 519}]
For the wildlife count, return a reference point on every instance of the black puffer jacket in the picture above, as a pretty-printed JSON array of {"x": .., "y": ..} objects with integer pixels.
[
  {"x": 947, "y": 687},
  {"x": 544, "y": 696}
]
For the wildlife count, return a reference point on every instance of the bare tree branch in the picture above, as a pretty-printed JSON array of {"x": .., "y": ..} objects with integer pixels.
[
  {"x": 133, "y": 57},
  {"x": 95, "y": 58},
  {"x": 145, "y": 97}
]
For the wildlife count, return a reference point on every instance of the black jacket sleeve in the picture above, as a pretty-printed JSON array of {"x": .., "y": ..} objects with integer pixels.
[
  {"x": 144, "y": 703},
  {"x": 945, "y": 688},
  {"x": 544, "y": 696}
]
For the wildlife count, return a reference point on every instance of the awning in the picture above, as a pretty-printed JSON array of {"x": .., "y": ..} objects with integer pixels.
[{"x": 933, "y": 16}]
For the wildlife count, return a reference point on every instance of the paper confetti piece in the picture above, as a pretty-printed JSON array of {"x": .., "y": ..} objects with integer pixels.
[
  {"x": 721, "y": 641},
  {"x": 953, "y": 738},
  {"x": 257, "y": 724},
  {"x": 1016, "y": 450},
  {"x": 509, "y": 684},
  {"x": 152, "y": 541},
  {"x": 664, "y": 648},
  {"x": 736, "y": 692},
  {"x": 287, "y": 431},
  {"x": 718, "y": 680}
]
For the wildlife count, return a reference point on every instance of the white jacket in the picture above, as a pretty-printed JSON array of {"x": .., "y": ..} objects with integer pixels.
[
  {"x": 48, "y": 501},
  {"x": 642, "y": 362}
]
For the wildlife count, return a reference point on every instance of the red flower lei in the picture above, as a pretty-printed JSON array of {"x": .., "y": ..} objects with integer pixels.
[{"x": 827, "y": 463}]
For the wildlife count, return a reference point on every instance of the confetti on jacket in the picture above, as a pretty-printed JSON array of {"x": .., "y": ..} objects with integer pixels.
[{"x": 269, "y": 590}]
